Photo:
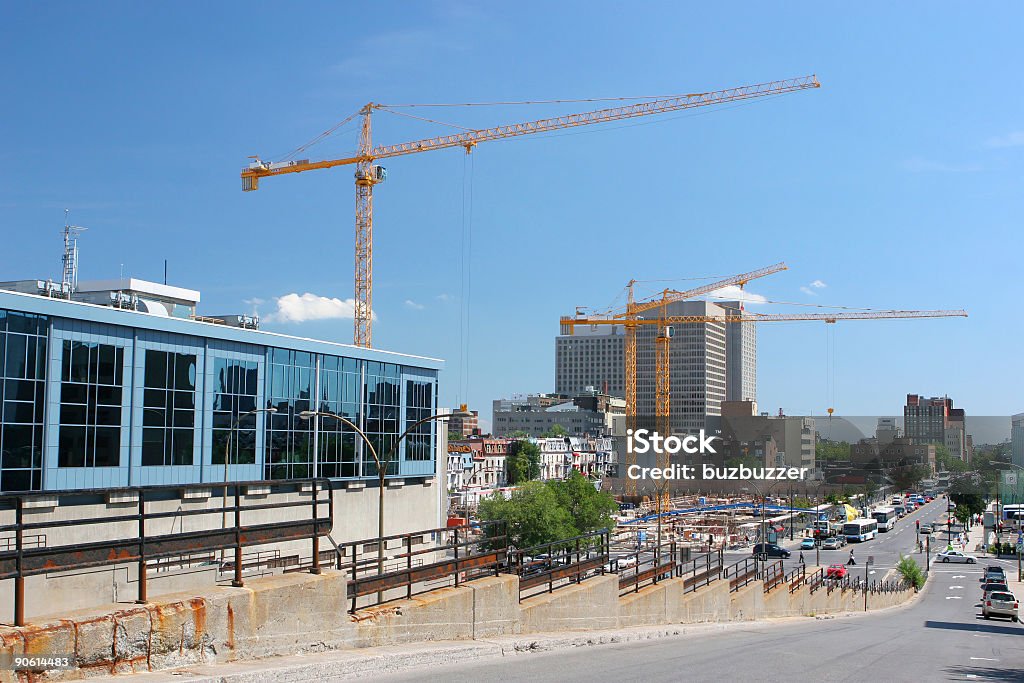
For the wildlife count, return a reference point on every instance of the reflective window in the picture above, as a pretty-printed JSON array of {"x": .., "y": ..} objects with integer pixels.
[
  {"x": 383, "y": 402},
  {"x": 339, "y": 395},
  {"x": 419, "y": 404},
  {"x": 289, "y": 439},
  {"x": 22, "y": 386},
  {"x": 169, "y": 402},
  {"x": 234, "y": 394},
  {"x": 90, "y": 405}
]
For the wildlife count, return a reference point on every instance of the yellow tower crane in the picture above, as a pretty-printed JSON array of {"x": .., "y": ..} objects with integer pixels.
[
  {"x": 629, "y": 320},
  {"x": 368, "y": 174}
]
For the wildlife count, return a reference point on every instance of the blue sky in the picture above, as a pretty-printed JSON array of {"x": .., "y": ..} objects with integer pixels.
[{"x": 898, "y": 184}]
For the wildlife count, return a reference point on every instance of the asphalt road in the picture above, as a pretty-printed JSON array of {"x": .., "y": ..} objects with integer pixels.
[{"x": 940, "y": 637}]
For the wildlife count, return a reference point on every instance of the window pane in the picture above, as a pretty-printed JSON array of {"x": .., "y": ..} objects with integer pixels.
[
  {"x": 108, "y": 447},
  {"x": 72, "y": 447},
  {"x": 182, "y": 445},
  {"x": 152, "y": 446},
  {"x": 156, "y": 369}
]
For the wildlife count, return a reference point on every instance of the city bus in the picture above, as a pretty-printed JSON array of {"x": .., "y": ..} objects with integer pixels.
[
  {"x": 886, "y": 518},
  {"x": 860, "y": 530}
]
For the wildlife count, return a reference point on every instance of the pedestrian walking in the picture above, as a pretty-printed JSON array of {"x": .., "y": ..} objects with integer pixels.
[{"x": 852, "y": 561}]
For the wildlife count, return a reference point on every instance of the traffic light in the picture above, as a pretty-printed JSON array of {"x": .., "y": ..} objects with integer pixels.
[{"x": 918, "y": 523}]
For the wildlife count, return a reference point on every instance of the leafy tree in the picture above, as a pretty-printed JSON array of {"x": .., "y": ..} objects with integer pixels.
[
  {"x": 523, "y": 462},
  {"x": 964, "y": 492},
  {"x": 532, "y": 515},
  {"x": 550, "y": 511},
  {"x": 911, "y": 571},
  {"x": 589, "y": 508},
  {"x": 748, "y": 460},
  {"x": 454, "y": 436},
  {"x": 518, "y": 434},
  {"x": 907, "y": 477},
  {"x": 826, "y": 450},
  {"x": 801, "y": 502},
  {"x": 963, "y": 514},
  {"x": 555, "y": 431},
  {"x": 871, "y": 488}
]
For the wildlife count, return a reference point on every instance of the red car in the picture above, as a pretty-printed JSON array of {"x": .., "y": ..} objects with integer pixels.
[
  {"x": 928, "y": 499},
  {"x": 836, "y": 571}
]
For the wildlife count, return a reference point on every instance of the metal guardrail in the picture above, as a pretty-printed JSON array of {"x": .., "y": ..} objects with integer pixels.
[
  {"x": 648, "y": 571},
  {"x": 774, "y": 574},
  {"x": 741, "y": 573},
  {"x": 815, "y": 580},
  {"x": 561, "y": 563},
  {"x": 455, "y": 554},
  {"x": 796, "y": 577},
  {"x": 700, "y": 571},
  {"x": 227, "y": 530}
]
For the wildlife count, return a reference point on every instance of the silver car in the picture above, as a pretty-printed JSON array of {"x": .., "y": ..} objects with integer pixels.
[{"x": 999, "y": 604}]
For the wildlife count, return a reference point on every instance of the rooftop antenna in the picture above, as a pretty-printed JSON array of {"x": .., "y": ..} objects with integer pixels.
[{"x": 69, "y": 279}]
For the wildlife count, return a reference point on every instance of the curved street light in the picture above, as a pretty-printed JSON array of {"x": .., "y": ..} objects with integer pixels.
[{"x": 382, "y": 470}]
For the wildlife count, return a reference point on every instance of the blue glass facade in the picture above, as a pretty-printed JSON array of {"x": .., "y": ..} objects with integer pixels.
[{"x": 96, "y": 397}]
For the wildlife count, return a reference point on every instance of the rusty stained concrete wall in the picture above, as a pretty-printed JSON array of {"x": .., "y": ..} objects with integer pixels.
[{"x": 300, "y": 612}]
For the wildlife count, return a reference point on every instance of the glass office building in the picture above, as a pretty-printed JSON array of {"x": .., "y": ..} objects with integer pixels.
[{"x": 96, "y": 397}]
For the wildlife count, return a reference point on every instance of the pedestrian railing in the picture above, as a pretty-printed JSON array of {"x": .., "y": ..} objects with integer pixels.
[
  {"x": 796, "y": 577},
  {"x": 233, "y": 519},
  {"x": 426, "y": 560},
  {"x": 815, "y": 580},
  {"x": 700, "y": 571},
  {"x": 898, "y": 586},
  {"x": 741, "y": 573},
  {"x": 774, "y": 574},
  {"x": 647, "y": 567},
  {"x": 545, "y": 568}
]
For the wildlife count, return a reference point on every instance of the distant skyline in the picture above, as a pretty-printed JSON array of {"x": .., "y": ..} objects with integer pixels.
[{"x": 898, "y": 184}]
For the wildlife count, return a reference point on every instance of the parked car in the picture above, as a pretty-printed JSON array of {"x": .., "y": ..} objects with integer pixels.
[
  {"x": 771, "y": 549},
  {"x": 836, "y": 571},
  {"x": 993, "y": 587},
  {"x": 926, "y": 528},
  {"x": 833, "y": 543},
  {"x": 996, "y": 571},
  {"x": 1000, "y": 604},
  {"x": 807, "y": 544},
  {"x": 955, "y": 556}
]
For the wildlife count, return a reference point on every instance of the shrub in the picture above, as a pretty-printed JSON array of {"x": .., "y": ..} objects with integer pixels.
[{"x": 911, "y": 572}]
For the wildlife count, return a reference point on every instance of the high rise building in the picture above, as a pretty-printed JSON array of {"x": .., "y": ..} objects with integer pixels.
[
  {"x": 709, "y": 362},
  {"x": 590, "y": 359},
  {"x": 741, "y": 356},
  {"x": 935, "y": 421},
  {"x": 1017, "y": 439}
]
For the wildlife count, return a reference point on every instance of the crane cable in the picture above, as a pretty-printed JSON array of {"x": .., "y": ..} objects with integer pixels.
[{"x": 465, "y": 276}]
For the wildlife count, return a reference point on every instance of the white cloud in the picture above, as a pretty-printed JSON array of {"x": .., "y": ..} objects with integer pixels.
[
  {"x": 736, "y": 293},
  {"x": 444, "y": 297},
  {"x": 918, "y": 165},
  {"x": 255, "y": 301},
  {"x": 808, "y": 291},
  {"x": 413, "y": 305},
  {"x": 299, "y": 308},
  {"x": 818, "y": 284},
  {"x": 1014, "y": 139}
]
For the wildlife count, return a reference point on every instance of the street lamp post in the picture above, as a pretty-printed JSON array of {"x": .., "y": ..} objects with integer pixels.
[
  {"x": 382, "y": 470},
  {"x": 224, "y": 498}
]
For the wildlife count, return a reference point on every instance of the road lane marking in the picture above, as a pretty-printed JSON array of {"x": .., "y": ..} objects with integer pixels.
[
  {"x": 952, "y": 587},
  {"x": 984, "y": 659},
  {"x": 952, "y": 597},
  {"x": 958, "y": 576}
]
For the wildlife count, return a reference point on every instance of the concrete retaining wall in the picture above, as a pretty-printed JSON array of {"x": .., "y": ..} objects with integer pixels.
[{"x": 299, "y": 612}]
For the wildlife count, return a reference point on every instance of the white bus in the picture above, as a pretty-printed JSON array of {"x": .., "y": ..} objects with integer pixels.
[
  {"x": 860, "y": 530},
  {"x": 886, "y": 518}
]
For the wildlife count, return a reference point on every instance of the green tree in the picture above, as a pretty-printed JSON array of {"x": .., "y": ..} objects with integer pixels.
[
  {"x": 589, "y": 508},
  {"x": 518, "y": 434},
  {"x": 454, "y": 436},
  {"x": 532, "y": 515},
  {"x": 907, "y": 477},
  {"x": 962, "y": 514},
  {"x": 555, "y": 431},
  {"x": 826, "y": 450},
  {"x": 911, "y": 571},
  {"x": 523, "y": 462}
]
